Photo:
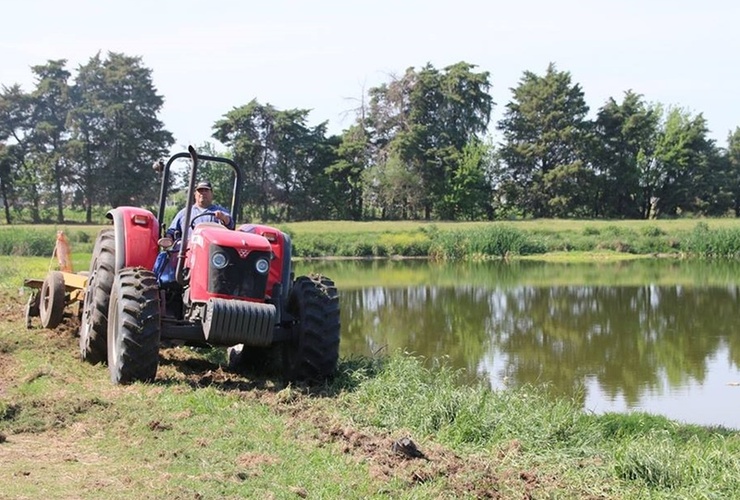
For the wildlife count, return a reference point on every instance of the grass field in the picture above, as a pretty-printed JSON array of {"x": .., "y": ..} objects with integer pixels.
[{"x": 567, "y": 239}]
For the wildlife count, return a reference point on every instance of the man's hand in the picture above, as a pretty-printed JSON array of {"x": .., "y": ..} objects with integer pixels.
[
  {"x": 166, "y": 242},
  {"x": 223, "y": 217}
]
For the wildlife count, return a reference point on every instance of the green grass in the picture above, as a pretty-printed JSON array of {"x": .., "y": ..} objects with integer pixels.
[{"x": 708, "y": 238}]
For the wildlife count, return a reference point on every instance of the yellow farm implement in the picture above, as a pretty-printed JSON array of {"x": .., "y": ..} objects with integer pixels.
[{"x": 58, "y": 290}]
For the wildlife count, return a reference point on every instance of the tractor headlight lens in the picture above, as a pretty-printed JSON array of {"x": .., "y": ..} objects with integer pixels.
[
  {"x": 219, "y": 260},
  {"x": 262, "y": 266}
]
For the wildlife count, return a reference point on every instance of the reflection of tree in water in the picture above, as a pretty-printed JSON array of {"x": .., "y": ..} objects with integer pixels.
[
  {"x": 629, "y": 339},
  {"x": 424, "y": 320}
]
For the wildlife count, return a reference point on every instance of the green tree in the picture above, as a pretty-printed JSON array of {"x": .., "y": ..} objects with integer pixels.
[
  {"x": 302, "y": 158},
  {"x": 392, "y": 188},
  {"x": 246, "y": 131},
  {"x": 285, "y": 160},
  {"x": 117, "y": 136},
  {"x": 347, "y": 173},
  {"x": 679, "y": 179},
  {"x": 87, "y": 127},
  {"x": 468, "y": 195},
  {"x": 6, "y": 183},
  {"x": 733, "y": 168},
  {"x": 545, "y": 171},
  {"x": 713, "y": 192},
  {"x": 51, "y": 105},
  {"x": 625, "y": 137},
  {"x": 16, "y": 129},
  {"x": 425, "y": 119}
]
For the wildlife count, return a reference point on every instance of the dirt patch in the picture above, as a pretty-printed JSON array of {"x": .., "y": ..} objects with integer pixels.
[
  {"x": 384, "y": 453},
  {"x": 6, "y": 369},
  {"x": 39, "y": 460},
  {"x": 388, "y": 458},
  {"x": 12, "y": 307},
  {"x": 251, "y": 464}
]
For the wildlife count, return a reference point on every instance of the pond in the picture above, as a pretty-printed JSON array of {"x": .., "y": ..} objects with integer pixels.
[{"x": 655, "y": 335}]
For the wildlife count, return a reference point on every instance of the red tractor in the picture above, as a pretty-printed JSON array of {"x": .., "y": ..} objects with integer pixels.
[{"x": 213, "y": 287}]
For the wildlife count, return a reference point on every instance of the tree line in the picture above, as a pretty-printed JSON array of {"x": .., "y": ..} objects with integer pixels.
[{"x": 419, "y": 148}]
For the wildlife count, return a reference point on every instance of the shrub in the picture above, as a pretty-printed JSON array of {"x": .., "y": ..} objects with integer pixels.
[
  {"x": 703, "y": 241},
  {"x": 28, "y": 242},
  {"x": 406, "y": 244},
  {"x": 652, "y": 231}
]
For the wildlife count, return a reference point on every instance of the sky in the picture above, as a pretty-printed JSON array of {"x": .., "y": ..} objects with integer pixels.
[{"x": 208, "y": 57}]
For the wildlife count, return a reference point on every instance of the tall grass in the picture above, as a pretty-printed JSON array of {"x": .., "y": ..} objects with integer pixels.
[
  {"x": 39, "y": 241},
  {"x": 432, "y": 400},
  {"x": 714, "y": 238},
  {"x": 450, "y": 241},
  {"x": 414, "y": 243},
  {"x": 499, "y": 241},
  {"x": 653, "y": 456},
  {"x": 706, "y": 242}
]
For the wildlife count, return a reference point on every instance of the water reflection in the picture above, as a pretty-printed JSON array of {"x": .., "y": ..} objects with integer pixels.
[{"x": 655, "y": 335}]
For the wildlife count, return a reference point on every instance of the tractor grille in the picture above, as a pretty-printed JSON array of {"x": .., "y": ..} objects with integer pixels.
[{"x": 238, "y": 278}]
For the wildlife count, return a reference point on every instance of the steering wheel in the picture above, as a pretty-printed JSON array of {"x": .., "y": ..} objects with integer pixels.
[{"x": 205, "y": 214}]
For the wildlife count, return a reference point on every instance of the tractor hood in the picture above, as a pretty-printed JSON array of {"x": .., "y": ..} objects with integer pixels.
[{"x": 207, "y": 234}]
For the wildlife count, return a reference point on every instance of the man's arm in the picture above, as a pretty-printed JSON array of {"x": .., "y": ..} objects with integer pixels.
[{"x": 175, "y": 229}]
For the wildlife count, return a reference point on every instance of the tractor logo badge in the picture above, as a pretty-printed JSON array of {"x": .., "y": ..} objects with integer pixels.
[{"x": 243, "y": 252}]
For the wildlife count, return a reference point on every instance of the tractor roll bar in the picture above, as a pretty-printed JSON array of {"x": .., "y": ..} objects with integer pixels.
[
  {"x": 235, "y": 195},
  {"x": 194, "y": 158}
]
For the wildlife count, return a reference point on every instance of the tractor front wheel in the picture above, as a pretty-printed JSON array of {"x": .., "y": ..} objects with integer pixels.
[
  {"x": 314, "y": 351},
  {"x": 133, "y": 327},
  {"x": 94, "y": 321}
]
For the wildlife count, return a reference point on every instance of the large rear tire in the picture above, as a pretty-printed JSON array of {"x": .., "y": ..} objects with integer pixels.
[
  {"x": 51, "y": 303},
  {"x": 314, "y": 351},
  {"x": 133, "y": 327},
  {"x": 94, "y": 321}
]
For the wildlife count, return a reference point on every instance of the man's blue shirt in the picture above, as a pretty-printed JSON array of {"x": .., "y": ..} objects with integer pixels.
[{"x": 175, "y": 229}]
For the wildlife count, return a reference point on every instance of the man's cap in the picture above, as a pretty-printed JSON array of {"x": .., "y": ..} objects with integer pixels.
[{"x": 203, "y": 185}]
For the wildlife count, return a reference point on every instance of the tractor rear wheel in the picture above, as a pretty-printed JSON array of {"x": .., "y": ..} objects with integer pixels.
[
  {"x": 133, "y": 327},
  {"x": 314, "y": 351},
  {"x": 94, "y": 321},
  {"x": 51, "y": 303}
]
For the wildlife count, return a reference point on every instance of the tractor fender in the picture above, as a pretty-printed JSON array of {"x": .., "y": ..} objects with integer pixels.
[{"x": 136, "y": 233}]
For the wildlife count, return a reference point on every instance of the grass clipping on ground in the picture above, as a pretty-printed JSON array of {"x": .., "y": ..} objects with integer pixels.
[{"x": 387, "y": 427}]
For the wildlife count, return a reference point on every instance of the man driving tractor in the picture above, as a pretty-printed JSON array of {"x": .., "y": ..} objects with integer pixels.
[{"x": 203, "y": 203}]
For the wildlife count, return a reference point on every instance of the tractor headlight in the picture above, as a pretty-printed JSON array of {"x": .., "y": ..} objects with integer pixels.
[
  {"x": 262, "y": 266},
  {"x": 219, "y": 260}
]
